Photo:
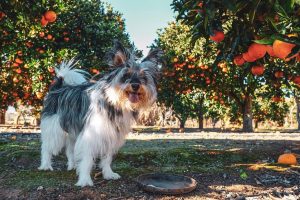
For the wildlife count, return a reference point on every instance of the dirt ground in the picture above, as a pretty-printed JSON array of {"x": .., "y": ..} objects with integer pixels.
[{"x": 225, "y": 165}]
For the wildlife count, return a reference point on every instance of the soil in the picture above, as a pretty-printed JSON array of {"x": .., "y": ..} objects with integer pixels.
[{"x": 225, "y": 165}]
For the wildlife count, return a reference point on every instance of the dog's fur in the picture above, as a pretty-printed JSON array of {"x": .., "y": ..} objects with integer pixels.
[{"x": 91, "y": 120}]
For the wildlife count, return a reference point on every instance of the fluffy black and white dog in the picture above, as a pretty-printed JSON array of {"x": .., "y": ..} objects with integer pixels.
[{"x": 91, "y": 120}]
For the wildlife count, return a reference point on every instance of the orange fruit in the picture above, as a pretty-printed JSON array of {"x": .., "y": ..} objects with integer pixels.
[
  {"x": 19, "y": 71},
  {"x": 19, "y": 61},
  {"x": 258, "y": 70},
  {"x": 282, "y": 49},
  {"x": 238, "y": 60},
  {"x": 42, "y": 34},
  {"x": 26, "y": 95},
  {"x": 218, "y": 36},
  {"x": 2, "y": 14},
  {"x": 248, "y": 58},
  {"x": 44, "y": 22},
  {"x": 20, "y": 53},
  {"x": 276, "y": 99},
  {"x": 95, "y": 71},
  {"x": 49, "y": 36},
  {"x": 270, "y": 50},
  {"x": 287, "y": 159},
  {"x": 257, "y": 50},
  {"x": 50, "y": 16},
  {"x": 279, "y": 74},
  {"x": 29, "y": 44},
  {"x": 15, "y": 64},
  {"x": 296, "y": 80}
]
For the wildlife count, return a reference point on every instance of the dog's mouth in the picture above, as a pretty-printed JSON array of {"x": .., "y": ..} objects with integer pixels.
[{"x": 134, "y": 97}]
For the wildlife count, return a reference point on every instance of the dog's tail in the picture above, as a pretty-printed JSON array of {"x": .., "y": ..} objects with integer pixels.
[{"x": 69, "y": 75}]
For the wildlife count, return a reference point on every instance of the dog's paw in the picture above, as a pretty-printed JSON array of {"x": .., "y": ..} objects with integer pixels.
[
  {"x": 45, "y": 167},
  {"x": 84, "y": 182},
  {"x": 111, "y": 176}
]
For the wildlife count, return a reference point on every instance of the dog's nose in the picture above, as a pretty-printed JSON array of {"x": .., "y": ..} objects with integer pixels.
[{"x": 135, "y": 86}]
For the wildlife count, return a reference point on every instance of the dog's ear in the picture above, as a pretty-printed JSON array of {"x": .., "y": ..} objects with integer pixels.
[
  {"x": 153, "y": 63},
  {"x": 154, "y": 56},
  {"x": 118, "y": 55}
]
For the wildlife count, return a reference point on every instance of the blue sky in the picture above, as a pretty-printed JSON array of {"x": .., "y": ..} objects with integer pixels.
[{"x": 143, "y": 18}]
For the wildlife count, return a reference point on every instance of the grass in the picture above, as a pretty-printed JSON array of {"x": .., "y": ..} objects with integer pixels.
[{"x": 19, "y": 161}]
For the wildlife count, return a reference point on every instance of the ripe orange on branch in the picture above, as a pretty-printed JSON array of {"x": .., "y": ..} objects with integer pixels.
[
  {"x": 258, "y": 70},
  {"x": 19, "y": 71},
  {"x": 276, "y": 99},
  {"x": 270, "y": 50},
  {"x": 282, "y": 49},
  {"x": 50, "y": 16},
  {"x": 239, "y": 60},
  {"x": 49, "y": 36},
  {"x": 2, "y": 14},
  {"x": 296, "y": 80},
  {"x": 19, "y": 61},
  {"x": 279, "y": 74},
  {"x": 257, "y": 50},
  {"x": 218, "y": 36},
  {"x": 44, "y": 22},
  {"x": 248, "y": 58}
]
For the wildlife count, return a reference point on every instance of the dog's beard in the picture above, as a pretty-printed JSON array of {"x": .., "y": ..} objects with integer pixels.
[{"x": 124, "y": 97}]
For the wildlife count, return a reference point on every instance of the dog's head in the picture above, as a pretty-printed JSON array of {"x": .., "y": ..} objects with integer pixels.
[{"x": 132, "y": 85}]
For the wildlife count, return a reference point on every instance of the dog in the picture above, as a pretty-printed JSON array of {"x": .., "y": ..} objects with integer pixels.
[{"x": 92, "y": 119}]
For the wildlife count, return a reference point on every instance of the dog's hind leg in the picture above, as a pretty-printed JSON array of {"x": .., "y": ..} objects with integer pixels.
[
  {"x": 70, "y": 143},
  {"x": 107, "y": 172},
  {"x": 53, "y": 140}
]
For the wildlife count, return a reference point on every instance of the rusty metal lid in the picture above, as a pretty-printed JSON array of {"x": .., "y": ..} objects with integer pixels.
[{"x": 166, "y": 183}]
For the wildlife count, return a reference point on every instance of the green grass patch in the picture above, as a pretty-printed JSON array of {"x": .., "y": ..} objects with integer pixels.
[{"x": 134, "y": 159}]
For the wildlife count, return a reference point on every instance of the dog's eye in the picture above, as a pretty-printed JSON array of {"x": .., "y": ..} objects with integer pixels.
[{"x": 125, "y": 77}]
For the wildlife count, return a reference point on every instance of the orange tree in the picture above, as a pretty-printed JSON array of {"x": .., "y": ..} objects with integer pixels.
[
  {"x": 187, "y": 75},
  {"x": 255, "y": 39},
  {"x": 37, "y": 35}
]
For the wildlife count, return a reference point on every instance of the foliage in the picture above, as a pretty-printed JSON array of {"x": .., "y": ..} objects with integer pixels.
[
  {"x": 250, "y": 28},
  {"x": 187, "y": 75},
  {"x": 30, "y": 49}
]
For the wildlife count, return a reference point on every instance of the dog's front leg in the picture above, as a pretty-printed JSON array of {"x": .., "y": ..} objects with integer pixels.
[
  {"x": 85, "y": 160},
  {"x": 107, "y": 172}
]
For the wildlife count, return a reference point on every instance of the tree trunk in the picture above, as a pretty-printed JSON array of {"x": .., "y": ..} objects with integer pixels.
[
  {"x": 200, "y": 120},
  {"x": 182, "y": 123},
  {"x": 2, "y": 116},
  {"x": 297, "y": 99},
  {"x": 200, "y": 114},
  {"x": 247, "y": 114},
  {"x": 256, "y": 124}
]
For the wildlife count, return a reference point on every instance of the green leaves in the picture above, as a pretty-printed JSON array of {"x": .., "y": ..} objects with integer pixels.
[
  {"x": 83, "y": 28},
  {"x": 267, "y": 41}
]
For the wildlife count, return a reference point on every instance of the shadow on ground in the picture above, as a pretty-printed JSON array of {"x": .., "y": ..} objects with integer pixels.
[{"x": 223, "y": 168}]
